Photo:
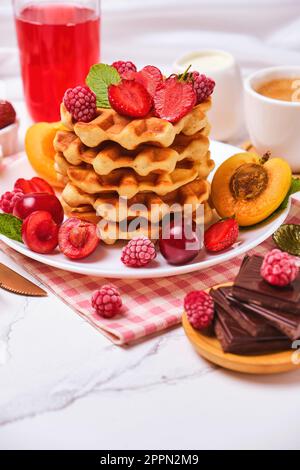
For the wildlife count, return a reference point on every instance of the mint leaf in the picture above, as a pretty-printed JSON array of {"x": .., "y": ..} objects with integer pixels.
[
  {"x": 294, "y": 188},
  {"x": 99, "y": 78},
  {"x": 11, "y": 227}
]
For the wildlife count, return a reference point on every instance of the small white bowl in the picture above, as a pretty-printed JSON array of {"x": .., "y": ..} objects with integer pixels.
[
  {"x": 226, "y": 115},
  {"x": 9, "y": 139}
]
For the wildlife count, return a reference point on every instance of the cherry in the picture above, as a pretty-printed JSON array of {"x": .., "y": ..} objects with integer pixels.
[
  {"x": 180, "y": 244},
  {"x": 40, "y": 232},
  {"x": 77, "y": 238},
  {"x": 39, "y": 202}
]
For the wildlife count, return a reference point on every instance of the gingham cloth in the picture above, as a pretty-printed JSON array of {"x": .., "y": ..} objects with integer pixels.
[{"x": 150, "y": 305}]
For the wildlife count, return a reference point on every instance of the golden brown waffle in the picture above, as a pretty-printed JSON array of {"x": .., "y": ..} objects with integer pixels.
[
  {"x": 147, "y": 205},
  {"x": 110, "y": 232},
  {"x": 127, "y": 183},
  {"x": 143, "y": 160},
  {"x": 82, "y": 212},
  {"x": 129, "y": 132}
]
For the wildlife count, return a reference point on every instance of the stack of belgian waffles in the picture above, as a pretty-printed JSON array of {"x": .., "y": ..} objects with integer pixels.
[{"x": 149, "y": 164}]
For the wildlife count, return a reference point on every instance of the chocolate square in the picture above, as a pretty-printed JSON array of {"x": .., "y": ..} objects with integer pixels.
[
  {"x": 236, "y": 340},
  {"x": 287, "y": 323},
  {"x": 252, "y": 323}
]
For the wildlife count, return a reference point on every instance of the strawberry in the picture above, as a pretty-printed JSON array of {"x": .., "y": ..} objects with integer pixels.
[
  {"x": 221, "y": 235},
  {"x": 35, "y": 185},
  {"x": 130, "y": 98},
  {"x": 174, "y": 99},
  {"x": 150, "y": 77},
  {"x": 7, "y": 114}
]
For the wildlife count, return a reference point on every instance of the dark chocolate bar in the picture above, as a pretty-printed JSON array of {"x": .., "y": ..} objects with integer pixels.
[
  {"x": 287, "y": 323},
  {"x": 236, "y": 340},
  {"x": 251, "y": 288},
  {"x": 255, "y": 325}
]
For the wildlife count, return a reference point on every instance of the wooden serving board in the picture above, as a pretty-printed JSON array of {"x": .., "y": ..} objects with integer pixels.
[{"x": 210, "y": 348}]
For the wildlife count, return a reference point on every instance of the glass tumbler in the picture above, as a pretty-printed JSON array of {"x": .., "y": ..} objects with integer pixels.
[{"x": 58, "y": 43}]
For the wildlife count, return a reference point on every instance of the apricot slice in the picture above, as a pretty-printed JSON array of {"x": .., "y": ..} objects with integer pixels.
[
  {"x": 40, "y": 151},
  {"x": 250, "y": 187}
]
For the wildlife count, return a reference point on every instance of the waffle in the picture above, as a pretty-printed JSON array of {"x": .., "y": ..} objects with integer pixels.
[
  {"x": 111, "y": 232},
  {"x": 127, "y": 183},
  {"x": 129, "y": 132},
  {"x": 147, "y": 205},
  {"x": 143, "y": 160}
]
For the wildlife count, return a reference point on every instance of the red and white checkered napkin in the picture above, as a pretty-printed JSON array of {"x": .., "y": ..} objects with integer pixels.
[{"x": 150, "y": 305}]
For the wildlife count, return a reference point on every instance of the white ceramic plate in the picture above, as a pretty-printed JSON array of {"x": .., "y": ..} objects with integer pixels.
[{"x": 106, "y": 259}]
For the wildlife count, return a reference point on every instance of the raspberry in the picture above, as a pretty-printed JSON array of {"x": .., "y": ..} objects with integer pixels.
[
  {"x": 138, "y": 252},
  {"x": 81, "y": 103},
  {"x": 124, "y": 67},
  {"x": 279, "y": 268},
  {"x": 7, "y": 114},
  {"x": 199, "y": 307},
  {"x": 203, "y": 86},
  {"x": 9, "y": 199},
  {"x": 107, "y": 301}
]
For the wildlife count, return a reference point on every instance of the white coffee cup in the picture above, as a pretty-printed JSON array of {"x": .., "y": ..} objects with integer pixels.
[
  {"x": 226, "y": 114},
  {"x": 274, "y": 125}
]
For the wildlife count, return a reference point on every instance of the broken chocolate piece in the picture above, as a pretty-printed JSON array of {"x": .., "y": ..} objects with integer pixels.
[
  {"x": 254, "y": 324},
  {"x": 287, "y": 323},
  {"x": 235, "y": 339}
]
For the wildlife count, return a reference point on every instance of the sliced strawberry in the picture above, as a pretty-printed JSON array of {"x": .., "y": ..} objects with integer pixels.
[
  {"x": 41, "y": 186},
  {"x": 35, "y": 185},
  {"x": 130, "y": 99},
  {"x": 24, "y": 185},
  {"x": 174, "y": 99},
  {"x": 150, "y": 77},
  {"x": 221, "y": 235}
]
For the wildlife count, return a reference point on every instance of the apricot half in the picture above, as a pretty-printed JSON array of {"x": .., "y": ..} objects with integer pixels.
[
  {"x": 40, "y": 151},
  {"x": 250, "y": 187}
]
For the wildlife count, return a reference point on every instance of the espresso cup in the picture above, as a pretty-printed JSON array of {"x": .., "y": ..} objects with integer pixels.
[
  {"x": 226, "y": 114},
  {"x": 274, "y": 125}
]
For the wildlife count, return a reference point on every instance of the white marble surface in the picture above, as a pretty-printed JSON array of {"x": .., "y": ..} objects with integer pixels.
[{"x": 64, "y": 386}]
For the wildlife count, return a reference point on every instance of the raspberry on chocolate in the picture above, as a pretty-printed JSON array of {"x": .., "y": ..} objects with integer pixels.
[
  {"x": 199, "y": 308},
  {"x": 9, "y": 199},
  {"x": 107, "y": 301},
  {"x": 279, "y": 268},
  {"x": 123, "y": 67},
  {"x": 138, "y": 252},
  {"x": 81, "y": 103},
  {"x": 203, "y": 86}
]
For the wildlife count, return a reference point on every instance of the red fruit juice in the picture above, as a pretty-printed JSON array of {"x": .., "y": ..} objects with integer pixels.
[{"x": 58, "y": 44}]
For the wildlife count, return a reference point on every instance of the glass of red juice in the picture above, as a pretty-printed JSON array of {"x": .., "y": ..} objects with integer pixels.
[{"x": 58, "y": 43}]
